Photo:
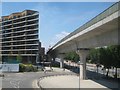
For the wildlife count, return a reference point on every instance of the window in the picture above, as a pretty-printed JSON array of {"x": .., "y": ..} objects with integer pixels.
[{"x": 14, "y": 17}]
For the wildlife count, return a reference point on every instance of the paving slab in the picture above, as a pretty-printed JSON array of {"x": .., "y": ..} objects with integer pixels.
[{"x": 68, "y": 81}]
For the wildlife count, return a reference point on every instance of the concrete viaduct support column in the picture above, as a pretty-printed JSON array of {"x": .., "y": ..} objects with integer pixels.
[
  {"x": 61, "y": 55},
  {"x": 61, "y": 63},
  {"x": 82, "y": 52}
]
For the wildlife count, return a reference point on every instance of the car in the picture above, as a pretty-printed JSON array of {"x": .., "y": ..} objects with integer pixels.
[{"x": 78, "y": 62}]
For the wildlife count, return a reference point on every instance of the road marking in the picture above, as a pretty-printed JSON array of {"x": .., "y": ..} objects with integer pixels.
[
  {"x": 34, "y": 84},
  {"x": 19, "y": 73},
  {"x": 15, "y": 84}
]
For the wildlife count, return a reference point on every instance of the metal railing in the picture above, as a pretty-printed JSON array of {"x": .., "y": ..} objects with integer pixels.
[
  {"x": 20, "y": 49},
  {"x": 24, "y": 21},
  {"x": 21, "y": 26},
  {"x": 18, "y": 36},
  {"x": 20, "y": 40},
  {"x": 25, "y": 30},
  {"x": 20, "y": 45}
]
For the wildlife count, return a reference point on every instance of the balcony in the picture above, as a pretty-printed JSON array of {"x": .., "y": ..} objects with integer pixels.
[
  {"x": 19, "y": 25},
  {"x": 6, "y": 45},
  {"x": 32, "y": 37},
  {"x": 19, "y": 20},
  {"x": 21, "y": 40},
  {"x": 28, "y": 26},
  {"x": 20, "y": 54},
  {"x": 18, "y": 31},
  {"x": 20, "y": 50},
  {"x": 6, "y": 39},
  {"x": 7, "y": 23},
  {"x": 31, "y": 22},
  {"x": 17, "y": 45},
  {"x": 32, "y": 17},
  {"x": 20, "y": 36},
  {"x": 19, "y": 17}
]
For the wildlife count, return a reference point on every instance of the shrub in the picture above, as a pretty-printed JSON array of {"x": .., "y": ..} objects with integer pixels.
[
  {"x": 27, "y": 68},
  {"x": 21, "y": 67}
]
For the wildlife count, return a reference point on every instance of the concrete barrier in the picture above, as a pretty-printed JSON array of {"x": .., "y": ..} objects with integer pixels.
[{"x": 9, "y": 67}]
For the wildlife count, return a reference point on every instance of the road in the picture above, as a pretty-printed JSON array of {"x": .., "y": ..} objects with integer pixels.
[
  {"x": 25, "y": 80},
  {"x": 28, "y": 79},
  {"x": 92, "y": 67}
]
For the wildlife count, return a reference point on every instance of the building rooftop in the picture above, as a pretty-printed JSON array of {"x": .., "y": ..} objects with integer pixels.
[{"x": 18, "y": 14}]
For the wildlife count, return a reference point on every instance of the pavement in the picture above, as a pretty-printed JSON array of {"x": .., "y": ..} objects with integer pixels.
[
  {"x": 68, "y": 81},
  {"x": 28, "y": 79},
  {"x": 73, "y": 81},
  {"x": 55, "y": 78}
]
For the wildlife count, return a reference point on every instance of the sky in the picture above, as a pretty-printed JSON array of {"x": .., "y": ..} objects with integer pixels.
[{"x": 58, "y": 19}]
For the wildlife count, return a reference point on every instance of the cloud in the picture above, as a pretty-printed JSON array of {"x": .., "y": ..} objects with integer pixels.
[
  {"x": 61, "y": 35},
  {"x": 58, "y": 37},
  {"x": 53, "y": 40},
  {"x": 58, "y": 19}
]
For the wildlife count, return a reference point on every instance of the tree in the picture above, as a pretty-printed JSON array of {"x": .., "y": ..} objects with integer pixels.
[
  {"x": 94, "y": 56},
  {"x": 106, "y": 58},
  {"x": 101, "y": 56},
  {"x": 19, "y": 58},
  {"x": 72, "y": 56},
  {"x": 115, "y": 53}
]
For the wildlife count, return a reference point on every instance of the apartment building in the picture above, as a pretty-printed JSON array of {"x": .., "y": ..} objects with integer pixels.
[
  {"x": 41, "y": 53},
  {"x": 19, "y": 36}
]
